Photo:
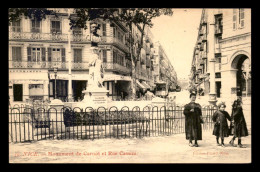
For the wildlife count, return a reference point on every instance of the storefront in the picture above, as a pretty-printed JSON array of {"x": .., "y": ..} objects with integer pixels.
[
  {"x": 119, "y": 86},
  {"x": 27, "y": 84}
]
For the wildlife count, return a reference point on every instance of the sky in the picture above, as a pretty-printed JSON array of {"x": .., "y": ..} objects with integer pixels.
[{"x": 178, "y": 34}]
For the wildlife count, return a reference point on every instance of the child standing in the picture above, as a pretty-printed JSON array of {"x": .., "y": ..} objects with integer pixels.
[
  {"x": 221, "y": 126},
  {"x": 240, "y": 127}
]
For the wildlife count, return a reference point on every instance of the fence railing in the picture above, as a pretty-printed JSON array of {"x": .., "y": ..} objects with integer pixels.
[{"x": 28, "y": 124}]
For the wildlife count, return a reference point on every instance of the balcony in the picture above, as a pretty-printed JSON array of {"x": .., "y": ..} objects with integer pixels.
[
  {"x": 201, "y": 47},
  {"x": 204, "y": 38},
  {"x": 218, "y": 29},
  {"x": 115, "y": 41},
  {"x": 48, "y": 65},
  {"x": 199, "y": 40},
  {"x": 116, "y": 67},
  {"x": 204, "y": 55},
  {"x": 46, "y": 37}
]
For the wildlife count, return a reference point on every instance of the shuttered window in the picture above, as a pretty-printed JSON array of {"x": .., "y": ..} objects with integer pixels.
[
  {"x": 78, "y": 55},
  {"x": 43, "y": 54},
  {"x": 16, "y": 26},
  {"x": 104, "y": 56},
  {"x": 49, "y": 54},
  {"x": 36, "y": 26},
  {"x": 16, "y": 53},
  {"x": 29, "y": 54},
  {"x": 63, "y": 55},
  {"x": 242, "y": 17},
  {"x": 104, "y": 30},
  {"x": 234, "y": 19},
  {"x": 36, "y": 54},
  {"x": 55, "y": 26}
]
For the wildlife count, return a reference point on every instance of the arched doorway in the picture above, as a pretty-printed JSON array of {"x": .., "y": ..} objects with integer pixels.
[{"x": 243, "y": 77}]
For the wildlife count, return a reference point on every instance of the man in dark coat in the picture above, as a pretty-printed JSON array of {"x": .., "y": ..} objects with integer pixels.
[
  {"x": 193, "y": 119},
  {"x": 240, "y": 128}
]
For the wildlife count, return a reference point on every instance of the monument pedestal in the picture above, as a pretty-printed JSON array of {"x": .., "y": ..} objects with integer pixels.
[{"x": 95, "y": 98}]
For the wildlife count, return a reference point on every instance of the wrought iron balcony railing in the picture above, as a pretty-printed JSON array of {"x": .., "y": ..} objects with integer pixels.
[
  {"x": 64, "y": 65},
  {"x": 115, "y": 41},
  {"x": 116, "y": 67},
  {"x": 47, "y": 65},
  {"x": 47, "y": 36}
]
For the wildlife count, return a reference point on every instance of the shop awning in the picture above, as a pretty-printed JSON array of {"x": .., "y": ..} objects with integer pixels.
[
  {"x": 146, "y": 85},
  {"x": 140, "y": 85}
]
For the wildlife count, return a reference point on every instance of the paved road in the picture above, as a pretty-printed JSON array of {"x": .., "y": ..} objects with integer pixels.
[{"x": 162, "y": 149}]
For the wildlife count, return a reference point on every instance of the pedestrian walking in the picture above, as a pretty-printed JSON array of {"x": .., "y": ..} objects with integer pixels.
[
  {"x": 193, "y": 120},
  {"x": 240, "y": 128},
  {"x": 221, "y": 125}
]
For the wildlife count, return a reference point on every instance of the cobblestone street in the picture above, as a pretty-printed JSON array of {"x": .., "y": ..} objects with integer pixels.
[{"x": 164, "y": 149}]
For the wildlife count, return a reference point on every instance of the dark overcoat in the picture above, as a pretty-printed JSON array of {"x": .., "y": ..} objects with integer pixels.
[
  {"x": 240, "y": 128},
  {"x": 220, "y": 117},
  {"x": 192, "y": 121}
]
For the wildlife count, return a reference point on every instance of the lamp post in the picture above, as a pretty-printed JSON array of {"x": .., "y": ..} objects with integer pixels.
[{"x": 55, "y": 70}]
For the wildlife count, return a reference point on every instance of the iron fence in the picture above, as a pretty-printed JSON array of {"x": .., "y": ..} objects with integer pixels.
[{"x": 28, "y": 124}]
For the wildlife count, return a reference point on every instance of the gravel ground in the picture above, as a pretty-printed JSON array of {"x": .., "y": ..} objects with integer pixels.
[{"x": 161, "y": 149}]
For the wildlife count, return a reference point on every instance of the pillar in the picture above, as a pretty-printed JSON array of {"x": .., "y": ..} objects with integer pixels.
[
  {"x": 70, "y": 98},
  {"x": 211, "y": 57}
]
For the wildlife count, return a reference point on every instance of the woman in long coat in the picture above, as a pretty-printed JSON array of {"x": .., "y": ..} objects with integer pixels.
[
  {"x": 221, "y": 126},
  {"x": 193, "y": 119},
  {"x": 240, "y": 128}
]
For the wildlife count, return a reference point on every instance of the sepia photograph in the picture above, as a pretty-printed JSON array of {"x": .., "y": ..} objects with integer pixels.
[{"x": 129, "y": 85}]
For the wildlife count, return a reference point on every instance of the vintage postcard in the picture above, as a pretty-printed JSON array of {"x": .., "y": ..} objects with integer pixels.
[{"x": 129, "y": 85}]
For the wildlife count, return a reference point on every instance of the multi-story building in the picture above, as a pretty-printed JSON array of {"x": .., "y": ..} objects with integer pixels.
[
  {"x": 163, "y": 69},
  {"x": 221, "y": 62},
  {"x": 36, "y": 48}
]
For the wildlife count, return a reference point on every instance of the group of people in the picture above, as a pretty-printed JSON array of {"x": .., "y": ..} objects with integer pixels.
[{"x": 194, "y": 120}]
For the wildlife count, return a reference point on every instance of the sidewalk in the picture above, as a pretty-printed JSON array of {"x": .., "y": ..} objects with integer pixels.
[{"x": 161, "y": 149}]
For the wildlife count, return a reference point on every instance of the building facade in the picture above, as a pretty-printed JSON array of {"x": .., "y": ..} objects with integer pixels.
[
  {"x": 221, "y": 64},
  {"x": 163, "y": 69},
  {"x": 37, "y": 47}
]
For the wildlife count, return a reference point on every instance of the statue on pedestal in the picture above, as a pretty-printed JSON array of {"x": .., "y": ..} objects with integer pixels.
[{"x": 96, "y": 70}]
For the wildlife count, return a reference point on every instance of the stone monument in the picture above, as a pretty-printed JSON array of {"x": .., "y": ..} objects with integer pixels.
[{"x": 95, "y": 94}]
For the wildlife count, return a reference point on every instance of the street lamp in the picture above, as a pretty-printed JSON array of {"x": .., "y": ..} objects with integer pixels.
[{"x": 55, "y": 70}]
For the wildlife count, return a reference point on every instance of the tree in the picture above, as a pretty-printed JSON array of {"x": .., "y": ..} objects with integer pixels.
[
  {"x": 141, "y": 17},
  {"x": 32, "y": 13}
]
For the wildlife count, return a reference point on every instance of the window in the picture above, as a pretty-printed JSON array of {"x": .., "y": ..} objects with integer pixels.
[
  {"x": 78, "y": 55},
  {"x": 35, "y": 26},
  {"x": 104, "y": 30},
  {"x": 16, "y": 26},
  {"x": 114, "y": 57},
  {"x": 218, "y": 75},
  {"x": 114, "y": 32},
  {"x": 36, "y": 54},
  {"x": 242, "y": 17},
  {"x": 77, "y": 31},
  {"x": 56, "y": 54},
  {"x": 16, "y": 54},
  {"x": 55, "y": 27},
  {"x": 104, "y": 56},
  {"x": 234, "y": 19}
]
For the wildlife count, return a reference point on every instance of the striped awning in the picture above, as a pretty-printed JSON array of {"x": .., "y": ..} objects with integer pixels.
[
  {"x": 140, "y": 85},
  {"x": 146, "y": 85}
]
